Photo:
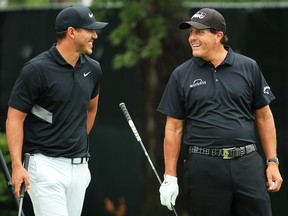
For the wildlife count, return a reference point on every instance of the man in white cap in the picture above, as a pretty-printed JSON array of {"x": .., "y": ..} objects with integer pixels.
[
  {"x": 213, "y": 102},
  {"x": 51, "y": 111}
]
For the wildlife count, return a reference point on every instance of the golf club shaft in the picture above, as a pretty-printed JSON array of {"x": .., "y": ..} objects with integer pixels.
[
  {"x": 9, "y": 180},
  {"x": 134, "y": 130},
  {"x": 22, "y": 189}
]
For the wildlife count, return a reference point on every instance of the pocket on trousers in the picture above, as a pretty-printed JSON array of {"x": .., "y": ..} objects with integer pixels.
[
  {"x": 88, "y": 176},
  {"x": 32, "y": 169},
  {"x": 186, "y": 174}
]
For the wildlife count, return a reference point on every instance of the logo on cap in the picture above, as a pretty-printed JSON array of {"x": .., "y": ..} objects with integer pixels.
[
  {"x": 90, "y": 15},
  {"x": 199, "y": 15}
]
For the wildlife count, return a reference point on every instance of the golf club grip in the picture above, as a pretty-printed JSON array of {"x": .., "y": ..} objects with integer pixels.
[
  {"x": 125, "y": 111},
  {"x": 130, "y": 122},
  {"x": 26, "y": 163}
]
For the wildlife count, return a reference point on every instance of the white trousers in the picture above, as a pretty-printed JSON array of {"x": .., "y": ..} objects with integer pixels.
[{"x": 57, "y": 186}]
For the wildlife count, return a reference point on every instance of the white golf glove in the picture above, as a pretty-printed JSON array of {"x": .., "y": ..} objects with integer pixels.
[{"x": 169, "y": 191}]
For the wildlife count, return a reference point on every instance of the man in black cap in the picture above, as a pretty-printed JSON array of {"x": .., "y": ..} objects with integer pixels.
[
  {"x": 213, "y": 102},
  {"x": 51, "y": 111}
]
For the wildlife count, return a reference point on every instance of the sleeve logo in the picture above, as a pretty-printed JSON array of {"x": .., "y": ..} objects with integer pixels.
[{"x": 266, "y": 90}]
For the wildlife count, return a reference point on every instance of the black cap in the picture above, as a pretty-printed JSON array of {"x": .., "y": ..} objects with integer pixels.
[
  {"x": 206, "y": 18},
  {"x": 77, "y": 17}
]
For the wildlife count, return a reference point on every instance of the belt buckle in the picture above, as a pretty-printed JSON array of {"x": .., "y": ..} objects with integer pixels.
[
  {"x": 226, "y": 153},
  {"x": 77, "y": 161}
]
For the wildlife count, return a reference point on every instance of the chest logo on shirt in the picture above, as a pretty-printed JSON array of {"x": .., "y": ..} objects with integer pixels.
[
  {"x": 197, "y": 82},
  {"x": 86, "y": 74},
  {"x": 266, "y": 90}
]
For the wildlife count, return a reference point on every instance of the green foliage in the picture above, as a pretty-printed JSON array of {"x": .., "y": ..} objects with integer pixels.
[
  {"x": 142, "y": 26},
  {"x": 30, "y": 3},
  {"x": 158, "y": 30},
  {"x": 141, "y": 29}
]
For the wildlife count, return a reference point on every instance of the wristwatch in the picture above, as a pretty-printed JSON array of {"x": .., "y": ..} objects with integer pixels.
[{"x": 273, "y": 160}]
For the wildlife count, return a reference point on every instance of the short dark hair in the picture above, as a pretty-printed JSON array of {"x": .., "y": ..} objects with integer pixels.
[
  {"x": 224, "y": 39},
  {"x": 61, "y": 35}
]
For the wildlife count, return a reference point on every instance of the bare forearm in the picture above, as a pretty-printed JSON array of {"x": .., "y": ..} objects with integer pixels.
[
  {"x": 15, "y": 135},
  {"x": 90, "y": 121},
  {"x": 267, "y": 134},
  {"x": 92, "y": 111},
  {"x": 172, "y": 144},
  {"x": 171, "y": 154}
]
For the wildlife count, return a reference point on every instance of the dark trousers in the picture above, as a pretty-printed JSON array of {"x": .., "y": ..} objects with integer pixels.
[{"x": 218, "y": 187}]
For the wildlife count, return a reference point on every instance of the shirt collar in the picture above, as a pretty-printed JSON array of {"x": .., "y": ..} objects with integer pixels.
[
  {"x": 228, "y": 60},
  {"x": 60, "y": 60}
]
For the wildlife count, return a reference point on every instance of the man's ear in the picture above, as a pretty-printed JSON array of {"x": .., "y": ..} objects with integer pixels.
[
  {"x": 220, "y": 35},
  {"x": 71, "y": 32}
]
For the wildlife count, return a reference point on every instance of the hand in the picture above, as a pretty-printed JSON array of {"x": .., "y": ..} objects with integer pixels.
[
  {"x": 274, "y": 179},
  {"x": 169, "y": 191},
  {"x": 20, "y": 175}
]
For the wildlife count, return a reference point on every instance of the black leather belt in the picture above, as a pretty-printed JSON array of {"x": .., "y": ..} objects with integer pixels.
[
  {"x": 225, "y": 153},
  {"x": 80, "y": 160}
]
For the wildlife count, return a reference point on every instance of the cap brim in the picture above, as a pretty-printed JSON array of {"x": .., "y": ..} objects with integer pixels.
[
  {"x": 188, "y": 24},
  {"x": 96, "y": 25}
]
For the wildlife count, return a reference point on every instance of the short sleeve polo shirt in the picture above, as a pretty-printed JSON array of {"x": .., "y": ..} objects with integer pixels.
[
  {"x": 55, "y": 97},
  {"x": 217, "y": 104}
]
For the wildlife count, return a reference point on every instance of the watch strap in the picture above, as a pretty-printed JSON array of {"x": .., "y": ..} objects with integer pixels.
[{"x": 272, "y": 160}]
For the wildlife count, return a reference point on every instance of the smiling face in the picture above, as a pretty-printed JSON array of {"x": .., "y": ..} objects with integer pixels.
[
  {"x": 84, "y": 40},
  {"x": 204, "y": 43}
]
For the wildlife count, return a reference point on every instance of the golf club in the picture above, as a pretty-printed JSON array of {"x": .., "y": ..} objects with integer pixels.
[
  {"x": 22, "y": 189},
  {"x": 8, "y": 180},
  {"x": 134, "y": 130}
]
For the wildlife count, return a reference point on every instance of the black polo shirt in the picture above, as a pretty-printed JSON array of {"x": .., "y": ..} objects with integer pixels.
[
  {"x": 56, "y": 97},
  {"x": 217, "y": 104}
]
